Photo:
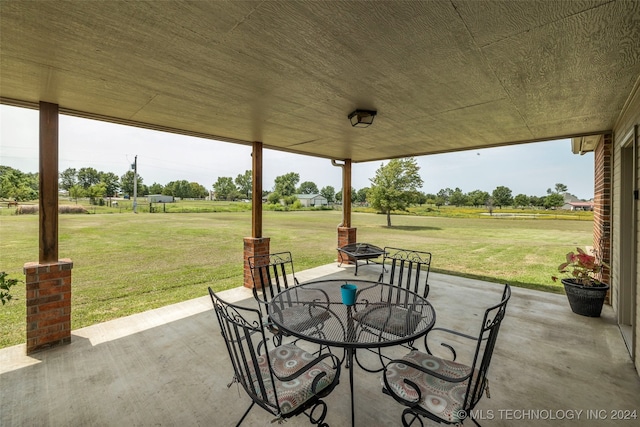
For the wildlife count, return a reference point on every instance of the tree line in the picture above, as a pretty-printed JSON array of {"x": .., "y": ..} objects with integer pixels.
[{"x": 394, "y": 187}]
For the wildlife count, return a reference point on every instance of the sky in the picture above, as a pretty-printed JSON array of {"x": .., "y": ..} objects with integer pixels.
[{"x": 528, "y": 169}]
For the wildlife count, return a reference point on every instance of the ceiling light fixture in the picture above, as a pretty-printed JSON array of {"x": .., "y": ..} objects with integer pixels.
[{"x": 362, "y": 118}]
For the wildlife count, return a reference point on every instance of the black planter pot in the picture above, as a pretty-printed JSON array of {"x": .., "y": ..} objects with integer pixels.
[{"x": 585, "y": 300}]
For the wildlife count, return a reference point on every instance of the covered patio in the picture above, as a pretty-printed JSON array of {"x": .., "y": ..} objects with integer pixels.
[
  {"x": 440, "y": 76},
  {"x": 169, "y": 367}
]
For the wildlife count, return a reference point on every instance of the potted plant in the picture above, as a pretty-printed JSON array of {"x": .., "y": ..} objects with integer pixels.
[{"x": 585, "y": 292}]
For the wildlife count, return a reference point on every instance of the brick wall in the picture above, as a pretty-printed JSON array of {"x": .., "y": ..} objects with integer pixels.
[
  {"x": 346, "y": 235},
  {"x": 48, "y": 304},
  {"x": 252, "y": 247},
  {"x": 603, "y": 159}
]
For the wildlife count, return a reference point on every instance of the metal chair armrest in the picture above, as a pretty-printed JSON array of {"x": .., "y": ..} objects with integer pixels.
[
  {"x": 443, "y": 344},
  {"x": 460, "y": 334},
  {"x": 390, "y": 391}
]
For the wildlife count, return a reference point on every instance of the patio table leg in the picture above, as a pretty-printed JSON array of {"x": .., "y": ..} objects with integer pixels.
[
  {"x": 350, "y": 352},
  {"x": 351, "y": 337}
]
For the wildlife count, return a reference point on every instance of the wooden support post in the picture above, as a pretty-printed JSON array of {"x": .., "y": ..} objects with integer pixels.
[
  {"x": 346, "y": 194},
  {"x": 48, "y": 281},
  {"x": 346, "y": 233},
  {"x": 256, "y": 191},
  {"x": 48, "y": 180},
  {"x": 256, "y": 244}
]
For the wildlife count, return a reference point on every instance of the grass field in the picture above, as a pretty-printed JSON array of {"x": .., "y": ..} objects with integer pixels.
[{"x": 126, "y": 263}]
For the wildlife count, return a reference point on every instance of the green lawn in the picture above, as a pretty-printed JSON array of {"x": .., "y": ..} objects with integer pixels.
[{"x": 126, "y": 263}]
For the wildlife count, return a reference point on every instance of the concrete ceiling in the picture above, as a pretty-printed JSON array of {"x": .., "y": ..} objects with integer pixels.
[{"x": 442, "y": 75}]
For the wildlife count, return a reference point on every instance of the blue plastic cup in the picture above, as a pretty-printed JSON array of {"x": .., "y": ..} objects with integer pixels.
[{"x": 348, "y": 293}]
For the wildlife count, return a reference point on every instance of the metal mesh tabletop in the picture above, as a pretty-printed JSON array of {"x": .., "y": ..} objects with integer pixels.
[{"x": 383, "y": 315}]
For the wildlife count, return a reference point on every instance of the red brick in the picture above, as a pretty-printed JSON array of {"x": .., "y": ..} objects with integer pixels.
[
  {"x": 48, "y": 283},
  {"x": 59, "y": 335},
  {"x": 62, "y": 320},
  {"x": 48, "y": 291},
  {"x": 30, "y": 268},
  {"x": 32, "y": 286},
  {"x": 39, "y": 332},
  {"x": 44, "y": 301},
  {"x": 53, "y": 305},
  {"x": 346, "y": 235},
  {"x": 57, "y": 277},
  {"x": 45, "y": 315}
]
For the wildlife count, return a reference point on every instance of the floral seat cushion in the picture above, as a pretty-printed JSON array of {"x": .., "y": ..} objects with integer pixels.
[
  {"x": 285, "y": 361},
  {"x": 442, "y": 398},
  {"x": 394, "y": 320}
]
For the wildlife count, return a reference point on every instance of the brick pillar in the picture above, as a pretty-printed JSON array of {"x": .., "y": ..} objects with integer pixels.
[
  {"x": 48, "y": 304},
  {"x": 252, "y": 247},
  {"x": 603, "y": 159},
  {"x": 346, "y": 235}
]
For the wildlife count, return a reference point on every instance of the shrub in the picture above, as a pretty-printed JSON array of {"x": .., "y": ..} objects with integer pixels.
[
  {"x": 72, "y": 209},
  {"x": 27, "y": 209},
  {"x": 63, "y": 209}
]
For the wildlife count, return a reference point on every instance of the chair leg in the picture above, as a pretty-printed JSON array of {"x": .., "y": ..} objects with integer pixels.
[
  {"x": 318, "y": 420},
  {"x": 245, "y": 414},
  {"x": 409, "y": 423}
]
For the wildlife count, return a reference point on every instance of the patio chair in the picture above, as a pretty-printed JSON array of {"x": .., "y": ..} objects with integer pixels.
[
  {"x": 404, "y": 268},
  {"x": 444, "y": 390},
  {"x": 272, "y": 274},
  {"x": 284, "y": 380}
]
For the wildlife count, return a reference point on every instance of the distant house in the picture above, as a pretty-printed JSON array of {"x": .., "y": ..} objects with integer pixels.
[
  {"x": 572, "y": 203},
  {"x": 578, "y": 206},
  {"x": 159, "y": 198},
  {"x": 569, "y": 198},
  {"x": 310, "y": 200}
]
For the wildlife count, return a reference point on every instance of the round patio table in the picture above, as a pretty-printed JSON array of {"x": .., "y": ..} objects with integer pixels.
[{"x": 383, "y": 315}]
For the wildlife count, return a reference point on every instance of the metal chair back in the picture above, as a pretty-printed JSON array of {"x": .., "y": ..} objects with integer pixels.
[
  {"x": 406, "y": 268},
  {"x": 269, "y": 373},
  {"x": 271, "y": 274},
  {"x": 245, "y": 339},
  {"x": 485, "y": 345},
  {"x": 433, "y": 377}
]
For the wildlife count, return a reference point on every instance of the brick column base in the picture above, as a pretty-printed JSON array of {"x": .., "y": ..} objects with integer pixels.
[
  {"x": 252, "y": 247},
  {"x": 346, "y": 236},
  {"x": 48, "y": 304}
]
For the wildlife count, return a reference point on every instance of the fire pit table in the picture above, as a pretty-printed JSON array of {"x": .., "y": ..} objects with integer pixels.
[{"x": 360, "y": 251}]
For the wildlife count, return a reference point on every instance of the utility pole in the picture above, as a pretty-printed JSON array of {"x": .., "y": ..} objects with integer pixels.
[{"x": 135, "y": 184}]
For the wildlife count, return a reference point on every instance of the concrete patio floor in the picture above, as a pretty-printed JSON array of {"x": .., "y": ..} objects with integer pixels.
[{"x": 169, "y": 367}]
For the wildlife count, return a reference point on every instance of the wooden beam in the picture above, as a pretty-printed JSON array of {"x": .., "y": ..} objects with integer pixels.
[
  {"x": 346, "y": 194},
  {"x": 256, "y": 191},
  {"x": 48, "y": 194}
]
